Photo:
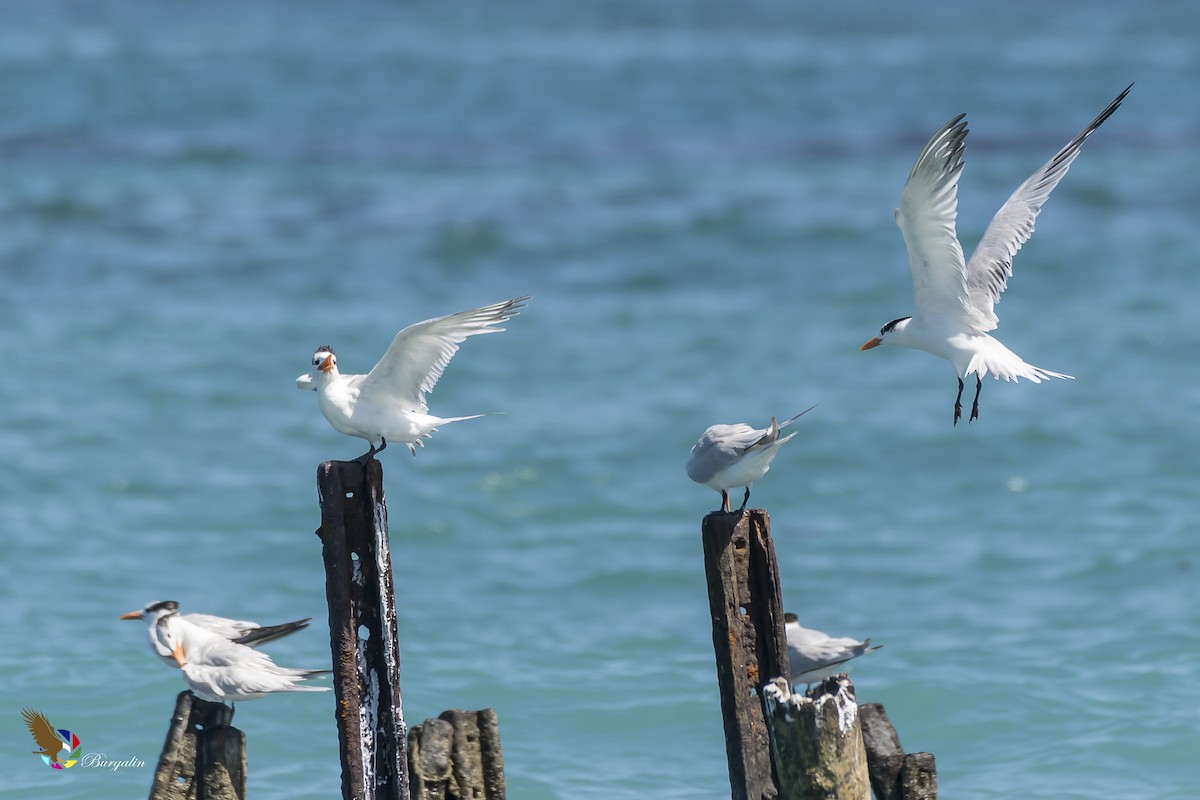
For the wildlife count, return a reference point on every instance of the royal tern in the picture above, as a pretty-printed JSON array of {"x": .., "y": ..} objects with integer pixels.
[
  {"x": 728, "y": 456},
  {"x": 813, "y": 656},
  {"x": 221, "y": 671},
  {"x": 251, "y": 634},
  {"x": 389, "y": 401},
  {"x": 953, "y": 300}
]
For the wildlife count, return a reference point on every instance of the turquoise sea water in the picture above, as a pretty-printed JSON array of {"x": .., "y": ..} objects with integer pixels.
[{"x": 699, "y": 196}]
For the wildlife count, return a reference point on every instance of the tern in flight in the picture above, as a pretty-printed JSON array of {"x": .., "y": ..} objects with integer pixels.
[{"x": 953, "y": 299}]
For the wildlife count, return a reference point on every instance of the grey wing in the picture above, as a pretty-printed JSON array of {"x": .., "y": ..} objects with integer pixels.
[
  {"x": 419, "y": 354},
  {"x": 990, "y": 266},
  {"x": 926, "y": 217},
  {"x": 223, "y": 627},
  {"x": 720, "y": 446}
]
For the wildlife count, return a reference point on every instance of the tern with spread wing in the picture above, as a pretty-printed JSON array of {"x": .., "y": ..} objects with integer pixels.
[
  {"x": 244, "y": 632},
  {"x": 388, "y": 403},
  {"x": 222, "y": 671},
  {"x": 954, "y": 299},
  {"x": 728, "y": 456},
  {"x": 813, "y": 656}
]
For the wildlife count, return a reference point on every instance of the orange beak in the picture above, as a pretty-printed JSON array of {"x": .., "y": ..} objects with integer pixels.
[
  {"x": 131, "y": 615},
  {"x": 178, "y": 653},
  {"x": 871, "y": 344},
  {"x": 327, "y": 364}
]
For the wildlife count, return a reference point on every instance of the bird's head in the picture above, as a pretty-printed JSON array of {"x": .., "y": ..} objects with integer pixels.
[
  {"x": 153, "y": 612},
  {"x": 893, "y": 330},
  {"x": 324, "y": 366}
]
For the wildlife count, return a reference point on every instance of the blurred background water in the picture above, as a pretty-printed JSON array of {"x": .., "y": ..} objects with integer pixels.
[{"x": 699, "y": 196}]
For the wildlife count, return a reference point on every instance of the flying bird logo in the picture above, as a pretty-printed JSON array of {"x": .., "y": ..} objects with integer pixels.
[{"x": 52, "y": 741}]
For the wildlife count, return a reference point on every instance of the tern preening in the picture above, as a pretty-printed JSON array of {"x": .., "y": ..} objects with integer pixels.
[
  {"x": 953, "y": 299},
  {"x": 221, "y": 671},
  {"x": 813, "y": 656},
  {"x": 388, "y": 403},
  {"x": 728, "y": 456},
  {"x": 164, "y": 612}
]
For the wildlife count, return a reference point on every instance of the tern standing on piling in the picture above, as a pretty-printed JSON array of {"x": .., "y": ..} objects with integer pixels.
[
  {"x": 388, "y": 403},
  {"x": 813, "y": 656},
  {"x": 728, "y": 456},
  {"x": 240, "y": 631}
]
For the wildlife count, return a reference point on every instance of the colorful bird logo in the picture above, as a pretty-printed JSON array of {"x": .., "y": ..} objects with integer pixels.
[{"x": 52, "y": 741}]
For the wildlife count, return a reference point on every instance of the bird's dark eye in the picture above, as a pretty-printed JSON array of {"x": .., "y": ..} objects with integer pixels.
[{"x": 316, "y": 362}]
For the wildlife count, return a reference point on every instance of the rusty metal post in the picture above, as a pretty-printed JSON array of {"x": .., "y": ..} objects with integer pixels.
[
  {"x": 748, "y": 640},
  {"x": 362, "y": 630}
]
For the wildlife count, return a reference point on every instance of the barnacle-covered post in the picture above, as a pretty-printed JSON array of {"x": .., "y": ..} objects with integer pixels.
[
  {"x": 362, "y": 630},
  {"x": 748, "y": 639},
  {"x": 817, "y": 741}
]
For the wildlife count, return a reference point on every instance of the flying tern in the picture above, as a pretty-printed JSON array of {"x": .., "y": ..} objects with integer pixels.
[
  {"x": 221, "y": 671},
  {"x": 813, "y": 656},
  {"x": 243, "y": 632},
  {"x": 728, "y": 456},
  {"x": 953, "y": 299},
  {"x": 389, "y": 401}
]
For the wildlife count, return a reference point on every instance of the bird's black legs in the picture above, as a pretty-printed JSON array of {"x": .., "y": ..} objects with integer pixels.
[
  {"x": 367, "y": 456},
  {"x": 745, "y": 499},
  {"x": 958, "y": 402},
  {"x": 975, "y": 405},
  {"x": 724, "y": 501}
]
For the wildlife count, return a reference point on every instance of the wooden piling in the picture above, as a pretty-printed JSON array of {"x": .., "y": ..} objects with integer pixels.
[
  {"x": 203, "y": 758},
  {"x": 817, "y": 741},
  {"x": 362, "y": 630},
  {"x": 748, "y": 640},
  {"x": 457, "y": 757},
  {"x": 895, "y": 775}
]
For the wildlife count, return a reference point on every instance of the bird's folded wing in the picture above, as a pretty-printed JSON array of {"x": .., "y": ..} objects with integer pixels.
[
  {"x": 718, "y": 448},
  {"x": 990, "y": 266},
  {"x": 419, "y": 354},
  {"x": 928, "y": 208}
]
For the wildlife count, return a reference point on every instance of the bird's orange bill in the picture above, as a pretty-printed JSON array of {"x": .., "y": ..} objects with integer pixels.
[
  {"x": 131, "y": 615},
  {"x": 178, "y": 653},
  {"x": 327, "y": 364},
  {"x": 871, "y": 343}
]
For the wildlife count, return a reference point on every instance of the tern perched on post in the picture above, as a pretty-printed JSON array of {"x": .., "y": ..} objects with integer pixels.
[
  {"x": 728, "y": 456},
  {"x": 813, "y": 656},
  {"x": 251, "y": 634},
  {"x": 953, "y": 299},
  {"x": 388, "y": 403},
  {"x": 220, "y": 671}
]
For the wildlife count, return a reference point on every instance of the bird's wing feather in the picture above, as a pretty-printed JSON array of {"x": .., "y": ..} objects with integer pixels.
[
  {"x": 990, "y": 266},
  {"x": 43, "y": 732},
  {"x": 928, "y": 208},
  {"x": 419, "y": 354},
  {"x": 719, "y": 447},
  {"x": 227, "y": 628}
]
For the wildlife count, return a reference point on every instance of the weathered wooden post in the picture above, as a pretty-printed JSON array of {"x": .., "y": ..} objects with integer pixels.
[
  {"x": 895, "y": 775},
  {"x": 748, "y": 639},
  {"x": 817, "y": 741},
  {"x": 362, "y": 630},
  {"x": 457, "y": 757},
  {"x": 203, "y": 758}
]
